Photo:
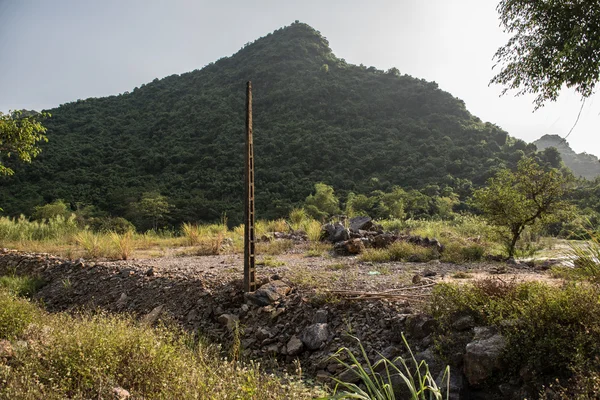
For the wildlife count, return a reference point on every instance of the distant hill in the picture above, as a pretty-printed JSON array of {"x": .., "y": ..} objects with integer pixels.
[
  {"x": 316, "y": 119},
  {"x": 582, "y": 164}
]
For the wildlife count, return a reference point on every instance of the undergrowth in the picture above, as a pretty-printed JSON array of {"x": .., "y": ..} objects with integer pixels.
[
  {"x": 552, "y": 331},
  {"x": 88, "y": 355}
]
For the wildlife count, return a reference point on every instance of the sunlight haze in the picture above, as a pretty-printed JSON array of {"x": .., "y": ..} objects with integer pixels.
[{"x": 60, "y": 51}]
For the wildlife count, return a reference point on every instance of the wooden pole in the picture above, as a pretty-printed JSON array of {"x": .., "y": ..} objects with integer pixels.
[{"x": 249, "y": 238}]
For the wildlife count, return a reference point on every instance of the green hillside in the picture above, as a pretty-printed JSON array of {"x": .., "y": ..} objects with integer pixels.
[
  {"x": 582, "y": 164},
  {"x": 316, "y": 118}
]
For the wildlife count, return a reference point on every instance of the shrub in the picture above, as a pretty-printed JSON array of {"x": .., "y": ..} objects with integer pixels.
[
  {"x": 15, "y": 315},
  {"x": 122, "y": 244},
  {"x": 553, "y": 331}
]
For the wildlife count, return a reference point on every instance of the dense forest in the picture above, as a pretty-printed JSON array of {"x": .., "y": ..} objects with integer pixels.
[{"x": 316, "y": 119}]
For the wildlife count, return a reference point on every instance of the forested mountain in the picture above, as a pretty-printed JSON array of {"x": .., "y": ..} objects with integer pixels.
[
  {"x": 583, "y": 164},
  {"x": 316, "y": 119}
]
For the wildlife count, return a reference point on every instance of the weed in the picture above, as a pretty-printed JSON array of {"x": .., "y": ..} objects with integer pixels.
[
  {"x": 275, "y": 247},
  {"x": 21, "y": 285},
  {"x": 270, "y": 262},
  {"x": 337, "y": 266},
  {"x": 415, "y": 375},
  {"x": 122, "y": 244}
]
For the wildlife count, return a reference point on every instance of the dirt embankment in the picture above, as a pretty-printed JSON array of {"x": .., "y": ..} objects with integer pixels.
[{"x": 292, "y": 317}]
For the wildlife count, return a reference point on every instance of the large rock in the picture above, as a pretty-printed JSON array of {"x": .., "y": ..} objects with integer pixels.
[
  {"x": 315, "y": 335},
  {"x": 419, "y": 326},
  {"x": 269, "y": 293},
  {"x": 229, "y": 320},
  {"x": 294, "y": 346},
  {"x": 483, "y": 355},
  {"x": 349, "y": 247},
  {"x": 336, "y": 232},
  {"x": 361, "y": 223}
]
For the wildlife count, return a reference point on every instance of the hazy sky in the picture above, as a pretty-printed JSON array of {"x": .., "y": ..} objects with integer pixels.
[{"x": 53, "y": 52}]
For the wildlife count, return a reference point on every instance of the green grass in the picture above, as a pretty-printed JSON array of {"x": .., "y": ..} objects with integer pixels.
[
  {"x": 21, "y": 285},
  {"x": 87, "y": 355}
]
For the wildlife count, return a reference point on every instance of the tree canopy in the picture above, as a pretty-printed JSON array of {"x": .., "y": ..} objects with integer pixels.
[
  {"x": 515, "y": 200},
  {"x": 553, "y": 43},
  {"x": 19, "y": 136}
]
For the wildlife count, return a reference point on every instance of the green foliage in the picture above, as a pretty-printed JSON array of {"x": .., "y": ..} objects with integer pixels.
[
  {"x": 514, "y": 200},
  {"x": 52, "y": 210},
  {"x": 152, "y": 207},
  {"x": 15, "y": 315},
  {"x": 22, "y": 229},
  {"x": 23, "y": 286},
  {"x": 550, "y": 47},
  {"x": 357, "y": 130},
  {"x": 551, "y": 330},
  {"x": 19, "y": 136},
  {"x": 323, "y": 203},
  {"x": 86, "y": 356},
  {"x": 413, "y": 374}
]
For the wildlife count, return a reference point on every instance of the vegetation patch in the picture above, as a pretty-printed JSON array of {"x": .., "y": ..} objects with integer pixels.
[
  {"x": 89, "y": 356},
  {"x": 552, "y": 332}
]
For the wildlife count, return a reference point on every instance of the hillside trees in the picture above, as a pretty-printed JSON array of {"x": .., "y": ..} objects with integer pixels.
[
  {"x": 554, "y": 43},
  {"x": 19, "y": 136},
  {"x": 513, "y": 201}
]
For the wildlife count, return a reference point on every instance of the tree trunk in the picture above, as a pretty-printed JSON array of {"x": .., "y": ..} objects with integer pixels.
[{"x": 511, "y": 250}]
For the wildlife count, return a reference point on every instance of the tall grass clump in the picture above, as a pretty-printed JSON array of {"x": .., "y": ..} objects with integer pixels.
[
  {"x": 191, "y": 233},
  {"x": 22, "y": 229},
  {"x": 417, "y": 381},
  {"x": 313, "y": 229},
  {"x": 86, "y": 356},
  {"x": 297, "y": 218},
  {"x": 93, "y": 244},
  {"x": 122, "y": 244},
  {"x": 586, "y": 258}
]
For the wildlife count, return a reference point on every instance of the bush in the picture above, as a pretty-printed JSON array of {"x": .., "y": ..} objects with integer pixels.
[{"x": 552, "y": 331}]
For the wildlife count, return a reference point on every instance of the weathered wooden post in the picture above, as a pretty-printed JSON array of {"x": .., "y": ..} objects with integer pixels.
[{"x": 249, "y": 238}]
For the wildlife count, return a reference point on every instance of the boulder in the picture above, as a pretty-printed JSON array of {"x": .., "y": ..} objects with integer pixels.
[
  {"x": 229, "y": 320},
  {"x": 361, "y": 223},
  {"x": 269, "y": 293},
  {"x": 294, "y": 346},
  {"x": 120, "y": 394},
  {"x": 349, "y": 247},
  {"x": 336, "y": 232},
  {"x": 482, "y": 356},
  {"x": 153, "y": 315},
  {"x": 383, "y": 240},
  {"x": 419, "y": 326},
  {"x": 315, "y": 335},
  {"x": 320, "y": 317}
]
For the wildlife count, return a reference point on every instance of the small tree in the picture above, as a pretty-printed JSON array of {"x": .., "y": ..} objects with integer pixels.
[
  {"x": 19, "y": 136},
  {"x": 323, "y": 203},
  {"x": 153, "y": 206},
  {"x": 515, "y": 200}
]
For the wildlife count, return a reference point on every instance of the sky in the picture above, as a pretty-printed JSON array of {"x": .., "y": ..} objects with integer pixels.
[{"x": 54, "y": 52}]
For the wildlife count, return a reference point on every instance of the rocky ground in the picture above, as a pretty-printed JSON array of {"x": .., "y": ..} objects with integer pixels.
[{"x": 306, "y": 307}]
